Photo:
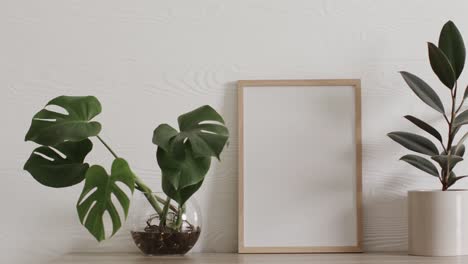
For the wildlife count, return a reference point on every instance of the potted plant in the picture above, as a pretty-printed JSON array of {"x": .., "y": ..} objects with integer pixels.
[
  {"x": 161, "y": 225},
  {"x": 437, "y": 218}
]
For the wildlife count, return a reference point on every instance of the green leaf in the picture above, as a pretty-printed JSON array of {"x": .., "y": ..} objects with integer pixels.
[
  {"x": 202, "y": 114},
  {"x": 423, "y": 91},
  {"x": 206, "y": 138},
  {"x": 453, "y": 178},
  {"x": 460, "y": 143},
  {"x": 51, "y": 128},
  {"x": 461, "y": 119},
  {"x": 458, "y": 152},
  {"x": 454, "y": 131},
  {"x": 465, "y": 94},
  {"x": 451, "y": 43},
  {"x": 181, "y": 195},
  {"x": 181, "y": 178},
  {"x": 162, "y": 136},
  {"x": 96, "y": 198},
  {"x": 414, "y": 142},
  {"x": 421, "y": 163},
  {"x": 443, "y": 159},
  {"x": 424, "y": 126},
  {"x": 441, "y": 66},
  {"x": 59, "y": 170},
  {"x": 185, "y": 157}
]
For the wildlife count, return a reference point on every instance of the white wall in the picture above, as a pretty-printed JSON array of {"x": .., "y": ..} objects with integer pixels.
[{"x": 148, "y": 61}]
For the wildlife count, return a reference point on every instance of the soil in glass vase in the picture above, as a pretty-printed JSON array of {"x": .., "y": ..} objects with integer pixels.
[{"x": 174, "y": 234}]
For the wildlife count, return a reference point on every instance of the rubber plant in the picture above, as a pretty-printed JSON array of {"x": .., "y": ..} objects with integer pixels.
[
  {"x": 65, "y": 140},
  {"x": 447, "y": 60}
]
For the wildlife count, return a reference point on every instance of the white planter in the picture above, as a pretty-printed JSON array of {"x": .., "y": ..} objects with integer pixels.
[{"x": 438, "y": 223}]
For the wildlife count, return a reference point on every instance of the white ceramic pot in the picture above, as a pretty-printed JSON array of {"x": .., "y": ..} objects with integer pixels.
[{"x": 438, "y": 223}]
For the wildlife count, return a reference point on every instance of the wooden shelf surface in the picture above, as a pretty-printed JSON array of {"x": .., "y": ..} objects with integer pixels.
[{"x": 213, "y": 258}]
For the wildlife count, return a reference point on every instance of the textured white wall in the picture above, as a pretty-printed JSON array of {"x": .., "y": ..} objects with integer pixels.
[{"x": 148, "y": 61}]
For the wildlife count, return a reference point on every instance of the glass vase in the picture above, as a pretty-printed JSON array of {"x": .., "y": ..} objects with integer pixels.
[{"x": 173, "y": 231}]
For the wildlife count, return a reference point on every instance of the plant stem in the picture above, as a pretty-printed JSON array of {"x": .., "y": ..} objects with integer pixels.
[
  {"x": 148, "y": 193},
  {"x": 107, "y": 146},
  {"x": 461, "y": 103},
  {"x": 171, "y": 207},
  {"x": 163, "y": 217},
  {"x": 445, "y": 178},
  {"x": 179, "y": 217},
  {"x": 139, "y": 183}
]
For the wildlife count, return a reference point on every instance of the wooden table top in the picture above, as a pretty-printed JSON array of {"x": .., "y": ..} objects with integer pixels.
[{"x": 214, "y": 258}]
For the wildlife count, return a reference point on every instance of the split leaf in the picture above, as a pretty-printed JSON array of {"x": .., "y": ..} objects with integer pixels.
[
  {"x": 96, "y": 198},
  {"x": 50, "y": 128},
  {"x": 60, "y": 166}
]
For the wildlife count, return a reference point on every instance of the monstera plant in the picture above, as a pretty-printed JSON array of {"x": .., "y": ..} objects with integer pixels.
[
  {"x": 447, "y": 60},
  {"x": 65, "y": 138}
]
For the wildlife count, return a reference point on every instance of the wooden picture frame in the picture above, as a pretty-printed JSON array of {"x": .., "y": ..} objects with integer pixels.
[{"x": 257, "y": 247}]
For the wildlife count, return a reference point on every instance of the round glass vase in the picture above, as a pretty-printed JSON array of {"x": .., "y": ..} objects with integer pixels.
[{"x": 173, "y": 231}]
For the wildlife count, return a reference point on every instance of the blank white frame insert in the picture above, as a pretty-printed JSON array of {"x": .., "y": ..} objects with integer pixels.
[{"x": 300, "y": 166}]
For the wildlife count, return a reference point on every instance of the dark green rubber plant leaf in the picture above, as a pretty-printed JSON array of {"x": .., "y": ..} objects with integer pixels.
[
  {"x": 423, "y": 91},
  {"x": 203, "y": 128},
  {"x": 96, "y": 198},
  {"x": 50, "y": 128},
  {"x": 461, "y": 119},
  {"x": 441, "y": 66},
  {"x": 465, "y": 94},
  {"x": 414, "y": 142},
  {"x": 421, "y": 163},
  {"x": 455, "y": 130},
  {"x": 424, "y": 126},
  {"x": 60, "y": 166},
  {"x": 443, "y": 160},
  {"x": 453, "y": 178},
  {"x": 451, "y": 43},
  {"x": 182, "y": 178},
  {"x": 458, "y": 151},
  {"x": 460, "y": 143}
]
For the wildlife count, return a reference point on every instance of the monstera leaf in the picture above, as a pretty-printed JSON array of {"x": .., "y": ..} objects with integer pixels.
[
  {"x": 60, "y": 166},
  {"x": 96, "y": 198},
  {"x": 50, "y": 128},
  {"x": 203, "y": 128},
  {"x": 182, "y": 178},
  {"x": 185, "y": 157}
]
